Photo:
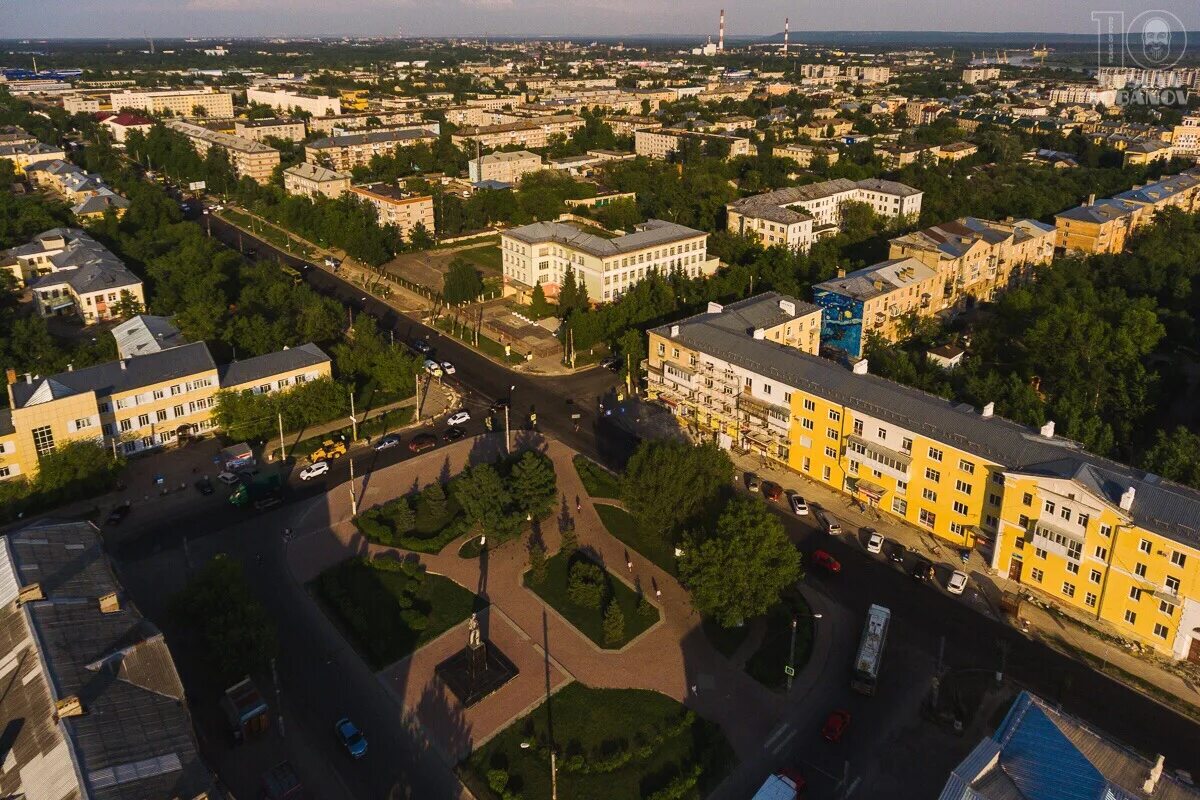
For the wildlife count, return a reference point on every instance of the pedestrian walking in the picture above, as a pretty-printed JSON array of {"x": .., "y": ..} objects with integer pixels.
[
  {"x": 658, "y": 594},
  {"x": 629, "y": 564}
]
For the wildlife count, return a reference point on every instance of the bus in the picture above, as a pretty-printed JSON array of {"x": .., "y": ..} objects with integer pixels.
[{"x": 870, "y": 650}]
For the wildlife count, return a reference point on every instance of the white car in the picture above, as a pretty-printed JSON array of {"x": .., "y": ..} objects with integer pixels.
[
  {"x": 448, "y": 368},
  {"x": 433, "y": 368},
  {"x": 314, "y": 470},
  {"x": 459, "y": 418},
  {"x": 226, "y": 477},
  {"x": 799, "y": 507},
  {"x": 875, "y": 542},
  {"x": 957, "y": 582}
]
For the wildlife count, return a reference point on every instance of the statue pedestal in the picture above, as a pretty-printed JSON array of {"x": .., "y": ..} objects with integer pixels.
[
  {"x": 476, "y": 660},
  {"x": 476, "y": 671}
]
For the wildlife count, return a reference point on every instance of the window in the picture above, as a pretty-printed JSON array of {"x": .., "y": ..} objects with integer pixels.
[
  {"x": 1089, "y": 600},
  {"x": 1160, "y": 630},
  {"x": 900, "y": 506},
  {"x": 1049, "y": 506},
  {"x": 104, "y": 409},
  {"x": 991, "y": 520},
  {"x": 963, "y": 487},
  {"x": 835, "y": 416},
  {"x": 832, "y": 433},
  {"x": 1072, "y": 568},
  {"x": 825, "y": 474},
  {"x": 935, "y": 454},
  {"x": 929, "y": 494},
  {"x": 906, "y": 445},
  {"x": 809, "y": 405},
  {"x": 1139, "y": 569},
  {"x": 264, "y": 388},
  {"x": 958, "y": 529},
  {"x": 176, "y": 389},
  {"x": 1130, "y": 616},
  {"x": 858, "y": 427},
  {"x": 1082, "y": 519},
  {"x": 143, "y": 420},
  {"x": 158, "y": 394},
  {"x": 1027, "y": 499},
  {"x": 1102, "y": 553},
  {"x": 177, "y": 411},
  {"x": 1065, "y": 513},
  {"x": 1144, "y": 546},
  {"x": 1106, "y": 531},
  {"x": 967, "y": 467},
  {"x": 994, "y": 499},
  {"x": 1068, "y": 589},
  {"x": 853, "y": 468},
  {"x": 961, "y": 508},
  {"x": 1135, "y": 593},
  {"x": 1178, "y": 558},
  {"x": 901, "y": 487},
  {"x": 928, "y": 518},
  {"x": 933, "y": 474},
  {"x": 831, "y": 452},
  {"x": 126, "y": 425},
  {"x": 43, "y": 440},
  {"x": 807, "y": 423},
  {"x": 1023, "y": 521},
  {"x": 787, "y": 397},
  {"x": 1166, "y": 608},
  {"x": 882, "y": 434},
  {"x": 83, "y": 422},
  {"x": 998, "y": 478},
  {"x": 161, "y": 415},
  {"x": 1040, "y": 553},
  {"x": 1036, "y": 574},
  {"x": 1172, "y": 584}
]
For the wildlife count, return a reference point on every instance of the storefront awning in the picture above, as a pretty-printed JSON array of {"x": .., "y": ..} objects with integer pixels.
[{"x": 872, "y": 490}]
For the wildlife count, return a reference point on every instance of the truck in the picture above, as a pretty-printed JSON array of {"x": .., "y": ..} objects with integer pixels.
[
  {"x": 329, "y": 450},
  {"x": 786, "y": 785},
  {"x": 258, "y": 491},
  {"x": 245, "y": 709}
]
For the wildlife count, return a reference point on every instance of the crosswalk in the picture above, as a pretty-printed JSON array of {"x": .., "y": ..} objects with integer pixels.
[{"x": 780, "y": 738}]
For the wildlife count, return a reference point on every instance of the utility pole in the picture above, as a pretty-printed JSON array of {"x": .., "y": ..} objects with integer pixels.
[
  {"x": 628, "y": 374},
  {"x": 553, "y": 776},
  {"x": 278, "y": 701},
  {"x": 282, "y": 448},
  {"x": 353, "y": 419},
  {"x": 418, "y": 397},
  {"x": 353, "y": 499},
  {"x": 792, "y": 657},
  {"x": 507, "y": 438}
]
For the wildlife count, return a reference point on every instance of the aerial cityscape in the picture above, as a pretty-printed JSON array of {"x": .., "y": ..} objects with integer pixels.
[{"x": 506, "y": 400}]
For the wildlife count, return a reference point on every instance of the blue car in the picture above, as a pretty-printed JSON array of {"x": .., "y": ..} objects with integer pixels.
[{"x": 351, "y": 737}]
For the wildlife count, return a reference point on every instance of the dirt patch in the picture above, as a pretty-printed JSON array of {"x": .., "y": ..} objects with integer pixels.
[{"x": 428, "y": 267}]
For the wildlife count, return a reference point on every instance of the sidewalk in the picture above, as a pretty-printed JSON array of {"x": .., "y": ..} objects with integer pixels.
[{"x": 1147, "y": 674}]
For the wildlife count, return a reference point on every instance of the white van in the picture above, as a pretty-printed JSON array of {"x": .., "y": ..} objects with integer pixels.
[{"x": 831, "y": 525}]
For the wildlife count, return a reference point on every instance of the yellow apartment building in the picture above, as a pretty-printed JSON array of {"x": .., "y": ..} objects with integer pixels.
[
  {"x": 345, "y": 152},
  {"x": 1102, "y": 537},
  {"x": 180, "y": 102},
  {"x": 250, "y": 159},
  {"x": 259, "y": 130},
  {"x": 1105, "y": 226},
  {"x": 803, "y": 154},
  {"x": 137, "y": 404},
  {"x": 24, "y": 153},
  {"x": 310, "y": 180},
  {"x": 400, "y": 209},
  {"x": 662, "y": 142},
  {"x": 528, "y": 133}
]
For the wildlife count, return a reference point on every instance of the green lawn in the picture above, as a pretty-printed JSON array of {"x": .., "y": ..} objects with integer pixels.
[
  {"x": 767, "y": 663},
  {"x": 488, "y": 346},
  {"x": 487, "y": 257},
  {"x": 428, "y": 534},
  {"x": 590, "y": 621},
  {"x": 726, "y": 640},
  {"x": 634, "y": 743},
  {"x": 621, "y": 524},
  {"x": 598, "y": 481},
  {"x": 388, "y": 609}
]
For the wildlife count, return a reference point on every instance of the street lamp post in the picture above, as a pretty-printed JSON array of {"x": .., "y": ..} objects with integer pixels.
[{"x": 791, "y": 665}]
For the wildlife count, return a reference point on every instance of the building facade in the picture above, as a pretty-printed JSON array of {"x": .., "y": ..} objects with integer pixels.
[
  {"x": 68, "y": 272},
  {"x": 259, "y": 130},
  {"x": 402, "y": 210},
  {"x": 1106, "y": 539},
  {"x": 315, "y": 104},
  {"x": 662, "y": 142},
  {"x": 250, "y": 159},
  {"x": 528, "y": 133},
  {"x": 345, "y": 152},
  {"x": 309, "y": 180},
  {"x": 1104, "y": 226},
  {"x": 505, "y": 167},
  {"x": 803, "y": 154},
  {"x": 180, "y": 102}
]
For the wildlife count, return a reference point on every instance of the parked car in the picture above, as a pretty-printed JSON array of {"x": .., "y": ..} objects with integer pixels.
[
  {"x": 226, "y": 477},
  {"x": 835, "y": 726},
  {"x": 314, "y": 470},
  {"x": 116, "y": 515},
  {"x": 612, "y": 362},
  {"x": 387, "y": 442},
  {"x": 799, "y": 505},
  {"x": 500, "y": 405},
  {"x": 826, "y": 562},
  {"x": 753, "y": 482},
  {"x": 875, "y": 541},
  {"x": 433, "y": 368},
  {"x": 459, "y": 418},
  {"x": 453, "y": 434},
  {"x": 204, "y": 486},
  {"x": 772, "y": 491},
  {"x": 923, "y": 570},
  {"x": 957, "y": 582},
  {"x": 351, "y": 737},
  {"x": 422, "y": 441},
  {"x": 448, "y": 368},
  {"x": 422, "y": 346},
  {"x": 831, "y": 525}
]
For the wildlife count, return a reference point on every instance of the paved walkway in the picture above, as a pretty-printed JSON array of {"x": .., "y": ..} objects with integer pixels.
[{"x": 673, "y": 657}]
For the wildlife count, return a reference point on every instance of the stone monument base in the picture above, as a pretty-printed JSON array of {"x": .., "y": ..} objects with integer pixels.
[{"x": 473, "y": 673}]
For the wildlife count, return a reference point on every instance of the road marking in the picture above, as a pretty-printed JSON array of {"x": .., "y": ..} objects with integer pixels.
[
  {"x": 777, "y": 749},
  {"x": 853, "y": 786},
  {"x": 775, "y": 734}
]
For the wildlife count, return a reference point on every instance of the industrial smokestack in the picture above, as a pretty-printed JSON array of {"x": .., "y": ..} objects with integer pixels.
[
  {"x": 786, "y": 29},
  {"x": 721, "y": 34}
]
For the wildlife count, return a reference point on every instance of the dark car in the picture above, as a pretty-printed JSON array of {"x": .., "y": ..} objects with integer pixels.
[
  {"x": 351, "y": 737},
  {"x": 835, "y": 726},
  {"x": 826, "y": 561},
  {"x": 923, "y": 570},
  {"x": 422, "y": 441},
  {"x": 772, "y": 491},
  {"x": 116, "y": 515},
  {"x": 612, "y": 362},
  {"x": 421, "y": 346},
  {"x": 453, "y": 434},
  {"x": 204, "y": 486},
  {"x": 500, "y": 405}
]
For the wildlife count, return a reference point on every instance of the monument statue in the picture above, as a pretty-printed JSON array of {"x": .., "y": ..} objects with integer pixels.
[{"x": 473, "y": 638}]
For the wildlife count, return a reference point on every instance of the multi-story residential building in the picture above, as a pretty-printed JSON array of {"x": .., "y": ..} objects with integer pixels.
[
  {"x": 797, "y": 216},
  {"x": 137, "y": 404},
  {"x": 15, "y": 134},
  {"x": 332, "y": 125},
  {"x": 351, "y": 150},
  {"x": 955, "y": 151},
  {"x": 830, "y": 128},
  {"x": 69, "y": 272},
  {"x": 528, "y": 133},
  {"x": 1106, "y": 540},
  {"x": 23, "y": 153},
  {"x": 259, "y": 130},
  {"x": 309, "y": 180},
  {"x": 1083, "y": 94},
  {"x": 316, "y": 104},
  {"x": 1140, "y": 154},
  {"x": 803, "y": 154},
  {"x": 495, "y": 103},
  {"x": 93, "y": 703},
  {"x": 1120, "y": 77},
  {"x": 85, "y": 103},
  {"x": 180, "y": 102},
  {"x": 876, "y": 299},
  {"x": 895, "y": 155},
  {"x": 625, "y": 125},
  {"x": 506, "y": 167},
  {"x": 88, "y": 195},
  {"x": 662, "y": 142},
  {"x": 1185, "y": 137},
  {"x": 400, "y": 209},
  {"x": 973, "y": 75},
  {"x": 1104, "y": 226},
  {"x": 250, "y": 159},
  {"x": 542, "y": 253}
]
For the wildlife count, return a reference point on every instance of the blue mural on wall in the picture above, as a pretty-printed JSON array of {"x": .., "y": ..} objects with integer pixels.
[{"x": 841, "y": 321}]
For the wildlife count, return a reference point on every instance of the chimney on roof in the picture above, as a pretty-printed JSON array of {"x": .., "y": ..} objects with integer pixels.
[
  {"x": 989, "y": 410},
  {"x": 122, "y": 362},
  {"x": 760, "y": 333},
  {"x": 841, "y": 272},
  {"x": 1048, "y": 430},
  {"x": 859, "y": 367},
  {"x": 28, "y": 594},
  {"x": 68, "y": 707},
  {"x": 110, "y": 603},
  {"x": 1155, "y": 774},
  {"x": 1091, "y": 201},
  {"x": 28, "y": 378},
  {"x": 788, "y": 307},
  {"x": 1126, "y": 502},
  {"x": 10, "y": 375},
  {"x": 715, "y": 308},
  {"x": 674, "y": 331}
]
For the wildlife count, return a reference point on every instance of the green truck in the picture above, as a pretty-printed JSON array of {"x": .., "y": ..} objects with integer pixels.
[{"x": 258, "y": 491}]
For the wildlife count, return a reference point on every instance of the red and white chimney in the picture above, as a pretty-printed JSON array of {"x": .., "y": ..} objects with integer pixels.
[
  {"x": 721, "y": 33},
  {"x": 786, "y": 28}
]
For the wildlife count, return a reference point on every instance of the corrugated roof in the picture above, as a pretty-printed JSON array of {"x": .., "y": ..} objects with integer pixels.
[
  {"x": 249, "y": 370},
  {"x": 649, "y": 234}
]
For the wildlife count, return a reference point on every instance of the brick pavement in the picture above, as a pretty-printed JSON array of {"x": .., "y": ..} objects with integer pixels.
[{"x": 674, "y": 657}]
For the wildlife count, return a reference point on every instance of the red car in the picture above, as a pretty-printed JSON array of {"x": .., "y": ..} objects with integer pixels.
[
  {"x": 826, "y": 561},
  {"x": 835, "y": 726},
  {"x": 772, "y": 491},
  {"x": 421, "y": 442}
]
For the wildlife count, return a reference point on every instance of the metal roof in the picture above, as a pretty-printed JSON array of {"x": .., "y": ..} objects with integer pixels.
[
  {"x": 249, "y": 370},
  {"x": 651, "y": 233}
]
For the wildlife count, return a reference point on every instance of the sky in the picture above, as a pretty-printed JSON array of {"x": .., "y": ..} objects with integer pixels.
[{"x": 170, "y": 18}]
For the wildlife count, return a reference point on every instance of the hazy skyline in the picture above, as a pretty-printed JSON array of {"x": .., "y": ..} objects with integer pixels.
[{"x": 167, "y": 18}]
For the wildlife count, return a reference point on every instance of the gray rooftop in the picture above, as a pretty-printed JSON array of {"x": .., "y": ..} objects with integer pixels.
[
  {"x": 760, "y": 311},
  {"x": 111, "y": 377},
  {"x": 955, "y": 238},
  {"x": 145, "y": 334},
  {"x": 1167, "y": 508},
  {"x": 240, "y": 373},
  {"x": 649, "y": 234},
  {"x": 877, "y": 279},
  {"x": 134, "y": 738},
  {"x": 372, "y": 137},
  {"x": 315, "y": 172},
  {"x": 84, "y": 264},
  {"x": 774, "y": 205}
]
